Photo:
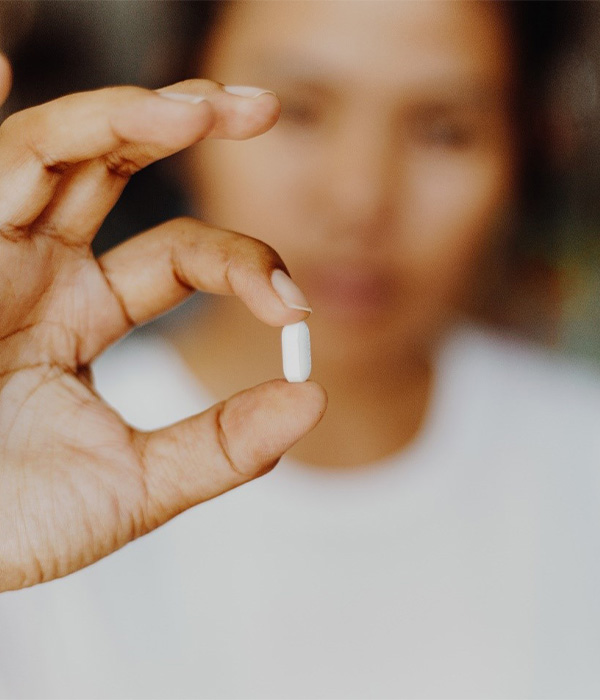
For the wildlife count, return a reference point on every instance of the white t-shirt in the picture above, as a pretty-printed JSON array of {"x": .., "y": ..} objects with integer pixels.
[{"x": 466, "y": 567}]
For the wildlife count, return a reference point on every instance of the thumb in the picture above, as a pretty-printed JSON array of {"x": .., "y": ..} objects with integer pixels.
[{"x": 231, "y": 443}]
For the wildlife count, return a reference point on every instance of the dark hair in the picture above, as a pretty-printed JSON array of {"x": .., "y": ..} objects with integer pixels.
[
  {"x": 546, "y": 35},
  {"x": 543, "y": 32}
]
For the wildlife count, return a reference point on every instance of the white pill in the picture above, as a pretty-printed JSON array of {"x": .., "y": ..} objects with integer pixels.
[{"x": 295, "y": 347}]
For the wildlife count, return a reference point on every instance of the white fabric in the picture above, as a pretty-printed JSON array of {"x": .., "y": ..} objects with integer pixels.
[{"x": 468, "y": 566}]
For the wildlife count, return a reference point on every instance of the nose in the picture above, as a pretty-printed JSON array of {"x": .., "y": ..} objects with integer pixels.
[{"x": 359, "y": 177}]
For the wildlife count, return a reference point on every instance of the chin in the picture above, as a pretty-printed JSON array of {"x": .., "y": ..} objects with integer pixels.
[{"x": 359, "y": 344}]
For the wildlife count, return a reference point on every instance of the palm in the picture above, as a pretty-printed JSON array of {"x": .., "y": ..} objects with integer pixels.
[
  {"x": 76, "y": 482},
  {"x": 68, "y": 469}
]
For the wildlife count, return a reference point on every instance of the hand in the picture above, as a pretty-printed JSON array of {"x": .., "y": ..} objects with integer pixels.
[{"x": 76, "y": 482}]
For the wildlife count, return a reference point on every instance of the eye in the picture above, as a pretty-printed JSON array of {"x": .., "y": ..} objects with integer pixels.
[
  {"x": 302, "y": 113},
  {"x": 446, "y": 133}
]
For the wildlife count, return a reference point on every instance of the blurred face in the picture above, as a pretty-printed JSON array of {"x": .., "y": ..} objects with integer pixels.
[{"x": 393, "y": 159}]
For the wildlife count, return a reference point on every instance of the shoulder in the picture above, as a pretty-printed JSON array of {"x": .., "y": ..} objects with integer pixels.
[
  {"x": 535, "y": 373},
  {"x": 526, "y": 393}
]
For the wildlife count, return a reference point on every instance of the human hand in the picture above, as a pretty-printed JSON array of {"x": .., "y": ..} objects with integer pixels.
[{"x": 77, "y": 482}]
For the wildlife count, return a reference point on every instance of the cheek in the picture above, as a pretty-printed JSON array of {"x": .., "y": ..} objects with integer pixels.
[
  {"x": 451, "y": 212},
  {"x": 246, "y": 187}
]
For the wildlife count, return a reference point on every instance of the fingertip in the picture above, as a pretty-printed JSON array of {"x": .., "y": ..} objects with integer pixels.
[
  {"x": 319, "y": 393},
  {"x": 5, "y": 77},
  {"x": 241, "y": 112},
  {"x": 314, "y": 397},
  {"x": 284, "y": 317},
  {"x": 288, "y": 315},
  {"x": 307, "y": 398},
  {"x": 262, "y": 113},
  {"x": 241, "y": 117},
  {"x": 234, "y": 441},
  {"x": 264, "y": 422},
  {"x": 290, "y": 293}
]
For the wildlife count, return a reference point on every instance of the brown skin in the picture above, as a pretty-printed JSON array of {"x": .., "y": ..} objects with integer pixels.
[
  {"x": 382, "y": 185},
  {"x": 76, "y": 482}
]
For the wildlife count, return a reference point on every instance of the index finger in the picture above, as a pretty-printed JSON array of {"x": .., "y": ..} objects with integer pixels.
[
  {"x": 126, "y": 127},
  {"x": 155, "y": 270}
]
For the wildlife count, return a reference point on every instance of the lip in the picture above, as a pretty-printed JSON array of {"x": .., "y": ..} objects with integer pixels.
[{"x": 350, "y": 291}]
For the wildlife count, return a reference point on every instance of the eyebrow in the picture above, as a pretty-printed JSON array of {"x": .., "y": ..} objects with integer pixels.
[{"x": 467, "y": 90}]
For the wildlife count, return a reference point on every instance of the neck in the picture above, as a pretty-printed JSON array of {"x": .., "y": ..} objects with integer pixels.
[{"x": 375, "y": 409}]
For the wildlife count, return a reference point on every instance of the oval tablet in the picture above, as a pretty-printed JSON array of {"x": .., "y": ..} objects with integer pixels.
[{"x": 295, "y": 347}]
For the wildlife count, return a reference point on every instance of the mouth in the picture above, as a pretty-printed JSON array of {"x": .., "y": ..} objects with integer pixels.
[{"x": 349, "y": 291}]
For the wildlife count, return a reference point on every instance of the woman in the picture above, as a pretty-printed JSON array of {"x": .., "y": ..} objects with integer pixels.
[{"x": 426, "y": 539}]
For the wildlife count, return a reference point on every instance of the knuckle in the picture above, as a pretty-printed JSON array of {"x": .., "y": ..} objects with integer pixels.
[
  {"x": 262, "y": 252},
  {"x": 223, "y": 442},
  {"x": 185, "y": 225},
  {"x": 10, "y": 124},
  {"x": 13, "y": 232},
  {"x": 48, "y": 228},
  {"x": 27, "y": 128},
  {"x": 119, "y": 165},
  {"x": 182, "y": 232}
]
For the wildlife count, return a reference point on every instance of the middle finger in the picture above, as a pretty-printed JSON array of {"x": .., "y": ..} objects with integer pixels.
[{"x": 64, "y": 164}]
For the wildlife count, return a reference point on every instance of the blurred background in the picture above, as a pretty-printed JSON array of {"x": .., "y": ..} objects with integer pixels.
[{"x": 57, "y": 47}]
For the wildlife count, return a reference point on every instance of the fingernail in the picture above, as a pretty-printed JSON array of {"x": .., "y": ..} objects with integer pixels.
[
  {"x": 182, "y": 97},
  {"x": 289, "y": 292},
  {"x": 246, "y": 90}
]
